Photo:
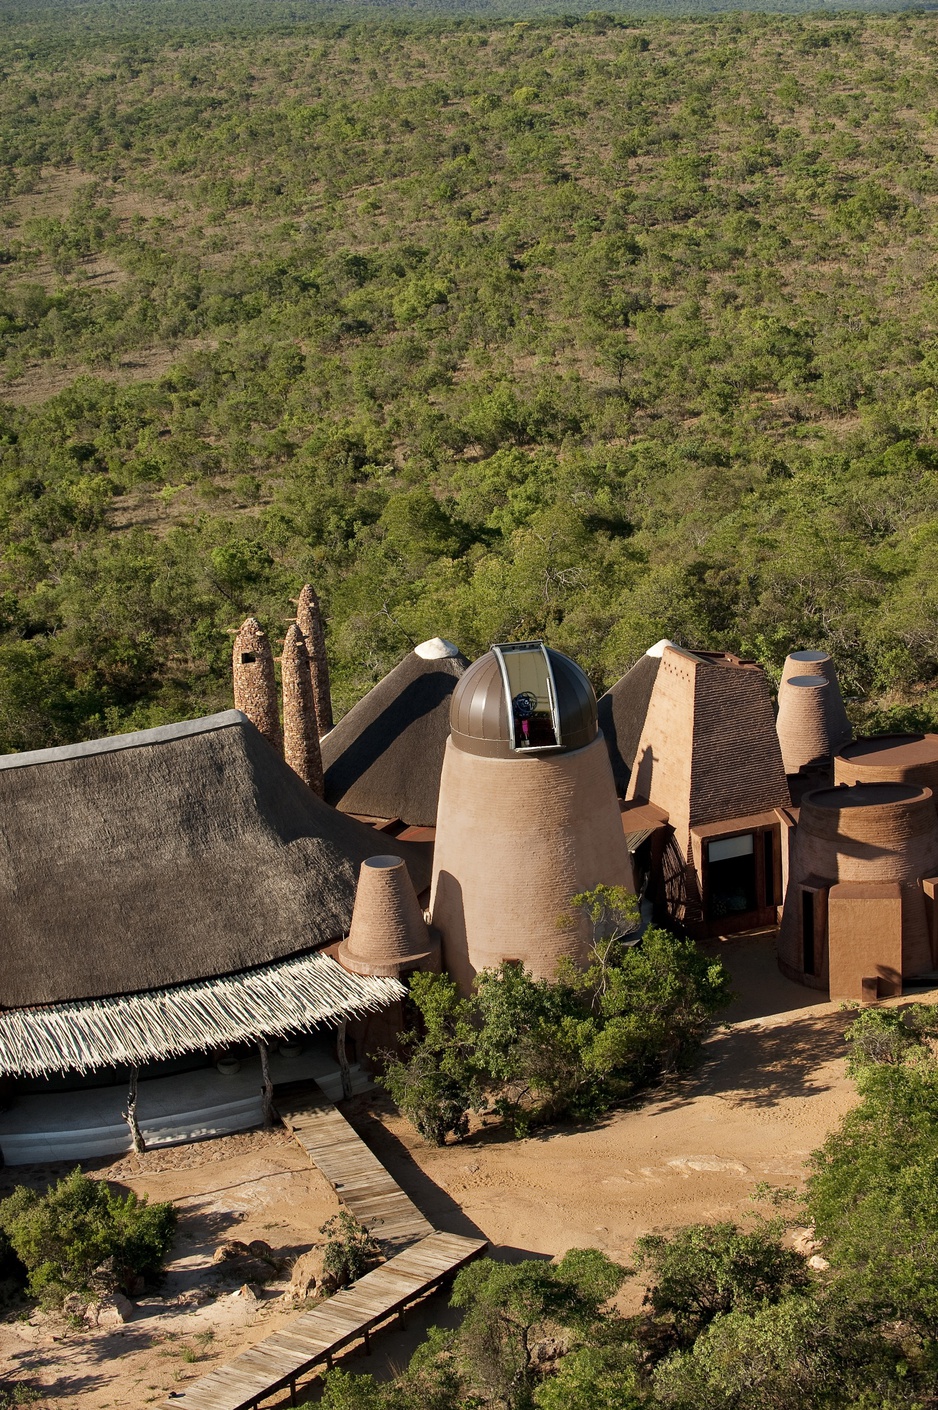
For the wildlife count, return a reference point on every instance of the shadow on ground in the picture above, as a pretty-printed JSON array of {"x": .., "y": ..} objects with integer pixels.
[{"x": 754, "y": 1066}]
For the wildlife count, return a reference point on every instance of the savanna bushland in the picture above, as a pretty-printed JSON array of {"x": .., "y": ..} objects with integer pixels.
[{"x": 593, "y": 329}]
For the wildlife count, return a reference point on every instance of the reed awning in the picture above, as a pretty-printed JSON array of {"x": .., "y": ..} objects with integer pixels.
[{"x": 272, "y": 1000}]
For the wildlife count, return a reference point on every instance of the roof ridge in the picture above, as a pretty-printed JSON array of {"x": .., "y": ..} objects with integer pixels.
[{"x": 159, "y": 734}]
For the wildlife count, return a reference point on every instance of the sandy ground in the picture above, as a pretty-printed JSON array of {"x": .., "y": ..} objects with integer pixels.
[
  {"x": 256, "y": 1186},
  {"x": 768, "y": 1091},
  {"x": 772, "y": 1084}
]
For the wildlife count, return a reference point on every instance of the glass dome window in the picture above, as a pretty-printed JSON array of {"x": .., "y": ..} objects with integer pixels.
[{"x": 531, "y": 694}]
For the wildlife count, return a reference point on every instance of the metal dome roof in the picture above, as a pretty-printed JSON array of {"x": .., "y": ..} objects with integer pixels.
[{"x": 523, "y": 698}]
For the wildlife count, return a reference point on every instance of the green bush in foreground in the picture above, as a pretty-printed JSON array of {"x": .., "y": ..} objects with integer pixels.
[
  {"x": 535, "y": 1051},
  {"x": 82, "y": 1237}
]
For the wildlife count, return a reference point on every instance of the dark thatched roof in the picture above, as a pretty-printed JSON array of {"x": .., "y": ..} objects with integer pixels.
[
  {"x": 384, "y": 758},
  {"x": 622, "y": 712},
  {"x": 166, "y": 857}
]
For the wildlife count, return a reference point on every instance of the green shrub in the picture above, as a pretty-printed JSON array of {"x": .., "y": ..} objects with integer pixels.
[
  {"x": 349, "y": 1250},
  {"x": 706, "y": 1270},
  {"x": 82, "y": 1237},
  {"x": 535, "y": 1051}
]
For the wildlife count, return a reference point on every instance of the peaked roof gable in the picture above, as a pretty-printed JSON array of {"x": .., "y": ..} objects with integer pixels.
[{"x": 385, "y": 757}]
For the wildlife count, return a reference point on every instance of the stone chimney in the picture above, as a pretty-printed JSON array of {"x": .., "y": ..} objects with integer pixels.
[
  {"x": 300, "y": 733},
  {"x": 255, "y": 686},
  {"x": 388, "y": 935},
  {"x": 309, "y": 621}
]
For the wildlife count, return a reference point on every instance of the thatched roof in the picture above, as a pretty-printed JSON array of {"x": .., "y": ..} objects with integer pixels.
[
  {"x": 274, "y": 1000},
  {"x": 165, "y": 857},
  {"x": 622, "y": 712},
  {"x": 384, "y": 758}
]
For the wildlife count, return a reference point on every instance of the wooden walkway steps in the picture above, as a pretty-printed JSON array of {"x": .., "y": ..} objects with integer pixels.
[
  {"x": 357, "y": 1176},
  {"x": 275, "y": 1365}
]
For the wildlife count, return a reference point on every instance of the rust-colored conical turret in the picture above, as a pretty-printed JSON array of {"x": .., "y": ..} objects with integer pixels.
[
  {"x": 309, "y": 621},
  {"x": 255, "y": 686},
  {"x": 802, "y": 723},
  {"x": 300, "y": 733},
  {"x": 388, "y": 934},
  {"x": 818, "y": 663}
]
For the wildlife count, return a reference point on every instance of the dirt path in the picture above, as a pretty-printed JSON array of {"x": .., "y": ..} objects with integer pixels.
[{"x": 256, "y": 1186}]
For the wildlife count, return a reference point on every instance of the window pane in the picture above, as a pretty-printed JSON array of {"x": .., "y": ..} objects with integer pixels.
[{"x": 727, "y": 847}]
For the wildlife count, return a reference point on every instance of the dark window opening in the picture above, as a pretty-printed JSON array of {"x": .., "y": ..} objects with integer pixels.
[
  {"x": 731, "y": 876},
  {"x": 768, "y": 844},
  {"x": 807, "y": 932},
  {"x": 534, "y": 728},
  {"x": 248, "y": 658}
]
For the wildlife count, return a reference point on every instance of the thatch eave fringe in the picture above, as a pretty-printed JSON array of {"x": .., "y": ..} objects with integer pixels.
[{"x": 273, "y": 1001}]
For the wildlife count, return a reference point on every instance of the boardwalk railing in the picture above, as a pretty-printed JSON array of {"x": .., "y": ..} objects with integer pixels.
[{"x": 276, "y": 1364}]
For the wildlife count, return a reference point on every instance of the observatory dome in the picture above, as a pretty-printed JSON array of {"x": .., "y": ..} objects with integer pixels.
[
  {"x": 528, "y": 815},
  {"x": 523, "y": 698}
]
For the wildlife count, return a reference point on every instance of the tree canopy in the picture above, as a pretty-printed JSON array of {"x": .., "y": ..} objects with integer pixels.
[{"x": 595, "y": 329}]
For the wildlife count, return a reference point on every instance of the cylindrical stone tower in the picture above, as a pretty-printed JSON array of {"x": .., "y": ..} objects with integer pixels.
[
  {"x": 300, "y": 735},
  {"x": 802, "y": 722},
  {"x": 388, "y": 935},
  {"x": 309, "y": 621},
  {"x": 859, "y": 842},
  {"x": 818, "y": 663},
  {"x": 890, "y": 758},
  {"x": 528, "y": 815},
  {"x": 255, "y": 685}
]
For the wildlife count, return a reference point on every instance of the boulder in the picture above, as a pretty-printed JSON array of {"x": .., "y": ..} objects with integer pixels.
[
  {"x": 111, "y": 1311},
  {"x": 249, "y": 1263},
  {"x": 309, "y": 1274},
  {"x": 804, "y": 1241},
  {"x": 231, "y": 1249},
  {"x": 74, "y": 1305}
]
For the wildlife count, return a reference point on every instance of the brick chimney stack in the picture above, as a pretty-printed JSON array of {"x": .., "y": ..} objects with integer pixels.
[
  {"x": 255, "y": 686},
  {"x": 300, "y": 732},
  {"x": 309, "y": 621}
]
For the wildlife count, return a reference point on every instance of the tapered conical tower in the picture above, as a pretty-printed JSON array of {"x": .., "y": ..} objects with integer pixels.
[
  {"x": 388, "y": 935},
  {"x": 309, "y": 621},
  {"x": 818, "y": 663},
  {"x": 300, "y": 734},
  {"x": 528, "y": 815},
  {"x": 802, "y": 724},
  {"x": 255, "y": 685}
]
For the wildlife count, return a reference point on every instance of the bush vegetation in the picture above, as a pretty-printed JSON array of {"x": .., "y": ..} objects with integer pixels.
[
  {"x": 82, "y": 1237},
  {"x": 591, "y": 328},
  {"x": 531, "y": 1050},
  {"x": 349, "y": 1250},
  {"x": 733, "y": 1319}
]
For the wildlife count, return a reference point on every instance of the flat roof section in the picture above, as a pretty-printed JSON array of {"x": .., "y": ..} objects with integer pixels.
[
  {"x": 900, "y": 751},
  {"x": 866, "y": 795}
]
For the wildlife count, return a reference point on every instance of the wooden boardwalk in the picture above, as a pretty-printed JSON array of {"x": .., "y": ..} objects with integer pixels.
[
  {"x": 354, "y": 1172},
  {"x": 275, "y": 1365},
  {"x": 310, "y": 1341}
]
